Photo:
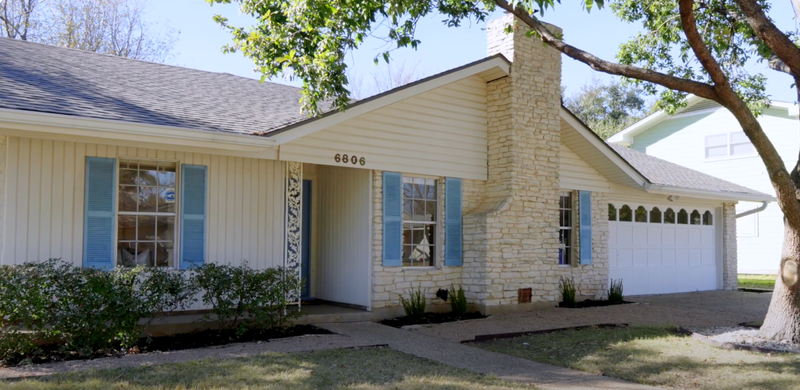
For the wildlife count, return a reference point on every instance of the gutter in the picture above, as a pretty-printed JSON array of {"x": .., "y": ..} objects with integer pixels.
[
  {"x": 733, "y": 196},
  {"x": 753, "y": 211}
]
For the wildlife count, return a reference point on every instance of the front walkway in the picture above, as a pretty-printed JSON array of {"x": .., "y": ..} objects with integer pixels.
[
  {"x": 543, "y": 376},
  {"x": 697, "y": 309}
]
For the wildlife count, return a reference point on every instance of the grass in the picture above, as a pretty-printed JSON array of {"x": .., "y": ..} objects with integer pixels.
[
  {"x": 657, "y": 356},
  {"x": 757, "y": 281},
  {"x": 362, "y": 369}
]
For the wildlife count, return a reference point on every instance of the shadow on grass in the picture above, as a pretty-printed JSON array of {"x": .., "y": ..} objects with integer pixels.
[
  {"x": 377, "y": 369},
  {"x": 656, "y": 356}
]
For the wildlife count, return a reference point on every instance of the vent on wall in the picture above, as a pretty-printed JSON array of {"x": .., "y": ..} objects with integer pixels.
[{"x": 702, "y": 105}]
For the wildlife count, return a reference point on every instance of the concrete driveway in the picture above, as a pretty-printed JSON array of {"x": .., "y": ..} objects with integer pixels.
[{"x": 697, "y": 309}]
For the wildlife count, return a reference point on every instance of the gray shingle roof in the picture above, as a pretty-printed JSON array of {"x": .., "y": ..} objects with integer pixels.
[
  {"x": 36, "y": 77},
  {"x": 665, "y": 173}
]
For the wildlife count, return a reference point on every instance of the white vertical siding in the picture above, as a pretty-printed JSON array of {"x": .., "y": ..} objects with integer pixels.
[
  {"x": 45, "y": 202},
  {"x": 344, "y": 234},
  {"x": 576, "y": 174},
  {"x": 441, "y": 132}
]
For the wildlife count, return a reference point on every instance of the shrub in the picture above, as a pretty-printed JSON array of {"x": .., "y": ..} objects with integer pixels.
[
  {"x": 243, "y": 298},
  {"x": 458, "y": 301},
  {"x": 84, "y": 310},
  {"x": 567, "y": 288},
  {"x": 415, "y": 304},
  {"x": 615, "y": 291}
]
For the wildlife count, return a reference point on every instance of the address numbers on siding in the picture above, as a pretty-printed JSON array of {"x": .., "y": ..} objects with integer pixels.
[{"x": 349, "y": 159}]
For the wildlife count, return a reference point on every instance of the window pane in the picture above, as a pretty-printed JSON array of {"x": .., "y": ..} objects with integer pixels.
[
  {"x": 126, "y": 228},
  {"x": 418, "y": 234},
  {"x": 641, "y": 214},
  {"x": 126, "y": 254},
  {"x": 145, "y": 254},
  {"x": 565, "y": 237},
  {"x": 717, "y": 140},
  {"x": 430, "y": 234},
  {"x": 408, "y": 188},
  {"x": 564, "y": 256},
  {"x": 743, "y": 150},
  {"x": 717, "y": 151},
  {"x": 128, "y": 198},
  {"x": 612, "y": 212},
  {"x": 419, "y": 188},
  {"x": 739, "y": 137},
  {"x": 655, "y": 215},
  {"x": 430, "y": 186},
  {"x": 166, "y": 228},
  {"x": 165, "y": 254},
  {"x": 695, "y": 220},
  {"x": 147, "y": 228},
  {"x": 407, "y": 258},
  {"x": 408, "y": 209},
  {"x": 407, "y": 234},
  {"x": 708, "y": 219},
  {"x": 166, "y": 200},
  {"x": 430, "y": 211},
  {"x": 683, "y": 217},
  {"x": 418, "y": 210},
  {"x": 127, "y": 176},
  {"x": 148, "y": 174},
  {"x": 166, "y": 176},
  {"x": 148, "y": 199},
  {"x": 669, "y": 216},
  {"x": 625, "y": 214},
  {"x": 566, "y": 218}
]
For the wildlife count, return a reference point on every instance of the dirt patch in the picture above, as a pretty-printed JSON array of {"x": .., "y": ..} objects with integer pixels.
[
  {"x": 431, "y": 318},
  {"x": 200, "y": 339}
]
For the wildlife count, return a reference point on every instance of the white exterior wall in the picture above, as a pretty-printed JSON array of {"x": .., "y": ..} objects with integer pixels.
[
  {"x": 344, "y": 235},
  {"x": 441, "y": 132},
  {"x": 45, "y": 202},
  {"x": 682, "y": 141}
]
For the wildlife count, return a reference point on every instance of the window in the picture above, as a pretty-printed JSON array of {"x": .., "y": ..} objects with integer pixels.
[
  {"x": 669, "y": 216},
  {"x": 146, "y": 214},
  {"x": 641, "y": 214},
  {"x": 683, "y": 217},
  {"x": 420, "y": 209},
  {"x": 734, "y": 144},
  {"x": 655, "y": 215},
  {"x": 625, "y": 214},
  {"x": 565, "y": 237},
  {"x": 708, "y": 219},
  {"x": 695, "y": 218},
  {"x": 612, "y": 212}
]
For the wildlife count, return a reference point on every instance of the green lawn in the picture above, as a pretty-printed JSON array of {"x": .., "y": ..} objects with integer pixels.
[
  {"x": 365, "y": 369},
  {"x": 757, "y": 281},
  {"x": 655, "y": 355}
]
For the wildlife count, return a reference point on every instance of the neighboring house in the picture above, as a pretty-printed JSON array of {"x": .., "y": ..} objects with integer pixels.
[
  {"x": 706, "y": 137},
  {"x": 476, "y": 176}
]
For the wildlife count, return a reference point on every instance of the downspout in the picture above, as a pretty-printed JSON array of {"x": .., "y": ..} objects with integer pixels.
[{"x": 759, "y": 209}]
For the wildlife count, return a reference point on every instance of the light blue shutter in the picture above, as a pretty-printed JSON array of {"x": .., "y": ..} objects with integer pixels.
[
  {"x": 194, "y": 180},
  {"x": 585, "y": 199},
  {"x": 392, "y": 219},
  {"x": 452, "y": 222},
  {"x": 98, "y": 222}
]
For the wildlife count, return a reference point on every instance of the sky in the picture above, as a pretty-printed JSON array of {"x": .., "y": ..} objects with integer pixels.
[{"x": 200, "y": 41}]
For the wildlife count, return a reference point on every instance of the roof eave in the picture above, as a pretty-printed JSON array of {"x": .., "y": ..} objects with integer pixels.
[{"x": 704, "y": 194}]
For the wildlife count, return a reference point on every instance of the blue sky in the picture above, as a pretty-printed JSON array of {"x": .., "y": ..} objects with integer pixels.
[{"x": 442, "y": 48}]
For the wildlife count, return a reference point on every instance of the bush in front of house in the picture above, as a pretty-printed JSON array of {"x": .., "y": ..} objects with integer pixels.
[
  {"x": 415, "y": 304},
  {"x": 568, "y": 291},
  {"x": 615, "y": 291},
  {"x": 458, "y": 301},
  {"x": 243, "y": 298},
  {"x": 82, "y": 309}
]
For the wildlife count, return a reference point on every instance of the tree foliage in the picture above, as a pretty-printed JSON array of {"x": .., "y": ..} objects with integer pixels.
[
  {"x": 609, "y": 107},
  {"x": 115, "y": 27},
  {"x": 395, "y": 74}
]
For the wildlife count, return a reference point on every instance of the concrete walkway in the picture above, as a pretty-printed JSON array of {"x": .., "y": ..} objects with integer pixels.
[{"x": 543, "y": 376}]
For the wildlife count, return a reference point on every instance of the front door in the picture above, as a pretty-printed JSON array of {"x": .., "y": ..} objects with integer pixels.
[{"x": 306, "y": 238}]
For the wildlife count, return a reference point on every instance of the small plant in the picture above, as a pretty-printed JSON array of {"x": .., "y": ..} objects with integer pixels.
[
  {"x": 615, "y": 291},
  {"x": 415, "y": 304},
  {"x": 458, "y": 301},
  {"x": 567, "y": 288}
]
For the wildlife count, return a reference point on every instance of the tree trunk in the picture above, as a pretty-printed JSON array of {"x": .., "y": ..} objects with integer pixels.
[{"x": 783, "y": 318}]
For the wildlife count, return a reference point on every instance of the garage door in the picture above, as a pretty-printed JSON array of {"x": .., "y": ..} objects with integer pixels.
[{"x": 660, "y": 249}]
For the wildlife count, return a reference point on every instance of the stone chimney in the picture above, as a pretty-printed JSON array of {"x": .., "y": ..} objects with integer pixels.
[{"x": 513, "y": 239}]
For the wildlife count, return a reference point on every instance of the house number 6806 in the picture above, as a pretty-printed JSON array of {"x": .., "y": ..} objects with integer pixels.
[{"x": 345, "y": 158}]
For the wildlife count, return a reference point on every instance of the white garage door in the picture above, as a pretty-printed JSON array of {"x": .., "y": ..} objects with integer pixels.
[{"x": 659, "y": 250}]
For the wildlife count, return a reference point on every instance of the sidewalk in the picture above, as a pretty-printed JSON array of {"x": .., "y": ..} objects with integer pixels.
[{"x": 543, "y": 376}]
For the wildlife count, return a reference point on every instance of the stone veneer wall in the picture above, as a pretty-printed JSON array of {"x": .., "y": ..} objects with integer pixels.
[{"x": 730, "y": 266}]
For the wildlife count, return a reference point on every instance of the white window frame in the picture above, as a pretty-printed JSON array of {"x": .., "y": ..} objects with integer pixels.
[
  {"x": 729, "y": 144},
  {"x": 572, "y": 227},
  {"x": 435, "y": 223},
  {"x": 118, "y": 213}
]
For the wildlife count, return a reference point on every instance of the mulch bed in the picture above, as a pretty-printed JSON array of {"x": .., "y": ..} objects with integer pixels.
[
  {"x": 591, "y": 303},
  {"x": 199, "y": 339},
  {"x": 755, "y": 290},
  {"x": 432, "y": 318}
]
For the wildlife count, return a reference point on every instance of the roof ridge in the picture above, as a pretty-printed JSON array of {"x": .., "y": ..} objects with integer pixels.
[{"x": 136, "y": 60}]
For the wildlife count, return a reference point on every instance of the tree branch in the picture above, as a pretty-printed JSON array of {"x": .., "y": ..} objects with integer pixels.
[
  {"x": 676, "y": 83},
  {"x": 781, "y": 45},
  {"x": 709, "y": 63},
  {"x": 776, "y": 63}
]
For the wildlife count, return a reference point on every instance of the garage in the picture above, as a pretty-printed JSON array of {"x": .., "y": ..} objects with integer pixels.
[{"x": 660, "y": 249}]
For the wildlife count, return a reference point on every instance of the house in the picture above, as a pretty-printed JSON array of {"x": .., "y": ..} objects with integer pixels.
[
  {"x": 476, "y": 176},
  {"x": 706, "y": 137}
]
